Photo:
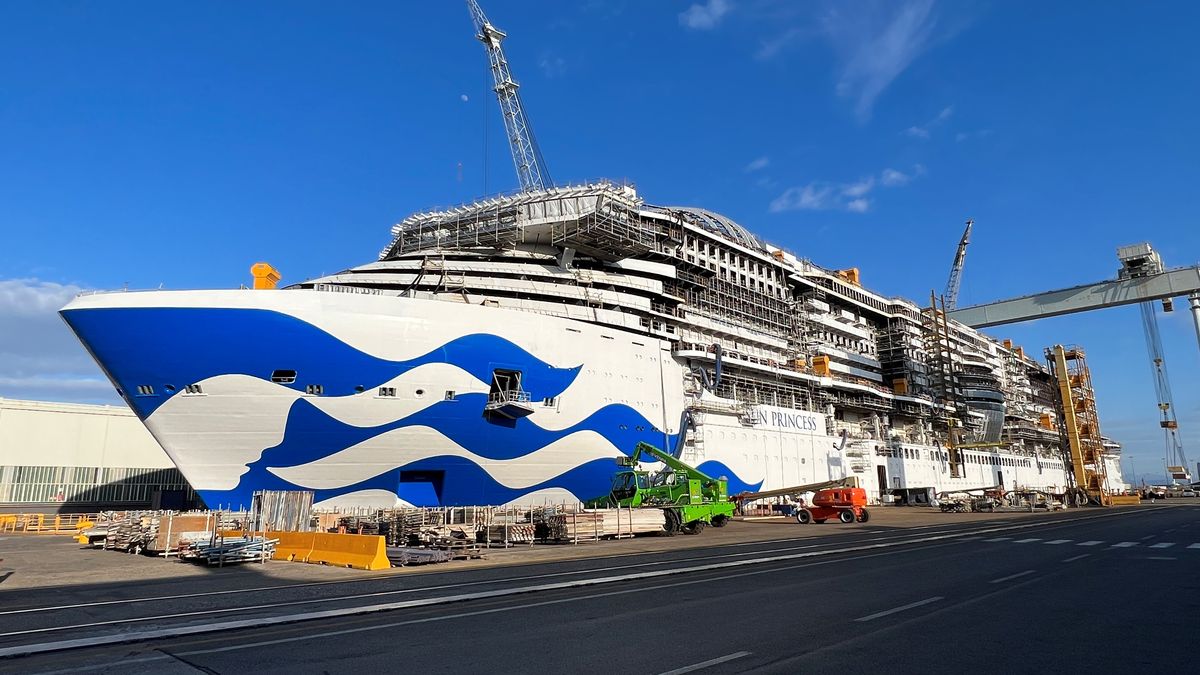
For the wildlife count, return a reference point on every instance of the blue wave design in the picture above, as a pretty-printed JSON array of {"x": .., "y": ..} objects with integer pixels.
[
  {"x": 181, "y": 346},
  {"x": 462, "y": 483},
  {"x": 312, "y": 434}
]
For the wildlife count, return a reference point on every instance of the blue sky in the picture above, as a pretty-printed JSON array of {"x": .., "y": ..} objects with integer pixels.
[{"x": 144, "y": 144}]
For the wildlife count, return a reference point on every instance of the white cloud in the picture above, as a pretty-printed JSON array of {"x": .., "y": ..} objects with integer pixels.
[
  {"x": 758, "y": 164},
  {"x": 705, "y": 16},
  {"x": 858, "y": 189},
  {"x": 876, "y": 42},
  {"x": 39, "y": 356},
  {"x": 968, "y": 135},
  {"x": 811, "y": 197},
  {"x": 552, "y": 65},
  {"x": 852, "y": 197},
  {"x": 923, "y": 131},
  {"x": 894, "y": 178},
  {"x": 464, "y": 98}
]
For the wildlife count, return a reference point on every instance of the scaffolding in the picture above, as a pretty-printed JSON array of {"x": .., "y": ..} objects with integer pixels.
[
  {"x": 600, "y": 219},
  {"x": 1080, "y": 423}
]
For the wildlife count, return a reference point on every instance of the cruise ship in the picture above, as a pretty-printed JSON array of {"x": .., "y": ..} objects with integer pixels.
[{"x": 508, "y": 350}]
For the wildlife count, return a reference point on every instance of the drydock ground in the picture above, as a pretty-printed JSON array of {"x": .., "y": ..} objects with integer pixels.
[{"x": 1104, "y": 589}]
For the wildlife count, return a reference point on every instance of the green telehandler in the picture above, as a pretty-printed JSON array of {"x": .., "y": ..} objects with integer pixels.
[{"x": 691, "y": 499}]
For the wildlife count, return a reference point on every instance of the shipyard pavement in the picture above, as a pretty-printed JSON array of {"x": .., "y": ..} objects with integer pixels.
[{"x": 1106, "y": 590}]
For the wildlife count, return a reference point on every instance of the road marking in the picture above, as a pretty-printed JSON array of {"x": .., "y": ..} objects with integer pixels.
[
  {"x": 970, "y": 538},
  {"x": 1163, "y": 544},
  {"x": 1078, "y": 557},
  {"x": 1194, "y": 546},
  {"x": 886, "y": 612},
  {"x": 705, "y": 664},
  {"x": 1149, "y": 536},
  {"x": 1026, "y": 541},
  {"x": 1012, "y": 576},
  {"x": 1161, "y": 557},
  {"x": 260, "y": 622},
  {"x": 1058, "y": 541},
  {"x": 1090, "y": 542},
  {"x": 998, "y": 539},
  {"x": 1124, "y": 544}
]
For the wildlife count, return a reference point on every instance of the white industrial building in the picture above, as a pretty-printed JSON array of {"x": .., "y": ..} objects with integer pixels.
[{"x": 75, "y": 457}]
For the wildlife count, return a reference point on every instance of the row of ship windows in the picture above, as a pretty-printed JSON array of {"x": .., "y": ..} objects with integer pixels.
[
  {"x": 148, "y": 389},
  {"x": 318, "y": 390},
  {"x": 912, "y": 453}
]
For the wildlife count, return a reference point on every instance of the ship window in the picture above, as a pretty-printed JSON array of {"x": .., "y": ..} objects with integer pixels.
[
  {"x": 388, "y": 392},
  {"x": 145, "y": 390},
  {"x": 314, "y": 389},
  {"x": 194, "y": 389},
  {"x": 359, "y": 388},
  {"x": 170, "y": 388},
  {"x": 283, "y": 376},
  {"x": 449, "y": 395},
  {"x": 550, "y": 402}
]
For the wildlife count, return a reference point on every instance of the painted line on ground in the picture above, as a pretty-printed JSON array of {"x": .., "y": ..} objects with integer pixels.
[
  {"x": 1149, "y": 536},
  {"x": 1194, "y": 546},
  {"x": 1163, "y": 544},
  {"x": 1058, "y": 541},
  {"x": 1012, "y": 576},
  {"x": 1124, "y": 544},
  {"x": 901, "y": 608},
  {"x": 1026, "y": 541},
  {"x": 197, "y": 629},
  {"x": 1090, "y": 542},
  {"x": 994, "y": 539},
  {"x": 1078, "y": 557},
  {"x": 1161, "y": 557},
  {"x": 707, "y": 664}
]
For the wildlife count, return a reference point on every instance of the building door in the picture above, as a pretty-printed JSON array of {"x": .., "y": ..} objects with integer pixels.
[
  {"x": 999, "y": 478},
  {"x": 881, "y": 472}
]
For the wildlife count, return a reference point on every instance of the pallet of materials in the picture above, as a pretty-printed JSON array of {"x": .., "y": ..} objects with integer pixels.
[
  {"x": 400, "y": 556},
  {"x": 227, "y": 550},
  {"x": 591, "y": 524}
]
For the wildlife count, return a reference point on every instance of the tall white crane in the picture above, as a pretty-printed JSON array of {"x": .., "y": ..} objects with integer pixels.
[
  {"x": 1137, "y": 262},
  {"x": 955, "y": 280},
  {"x": 527, "y": 158}
]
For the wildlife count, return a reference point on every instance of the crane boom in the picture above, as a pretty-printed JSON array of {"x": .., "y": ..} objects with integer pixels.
[
  {"x": 956, "y": 269},
  {"x": 527, "y": 158}
]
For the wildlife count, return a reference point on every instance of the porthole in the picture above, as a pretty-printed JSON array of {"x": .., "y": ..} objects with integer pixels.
[{"x": 419, "y": 393}]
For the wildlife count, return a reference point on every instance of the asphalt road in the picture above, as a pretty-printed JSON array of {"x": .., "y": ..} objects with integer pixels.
[{"x": 1107, "y": 590}]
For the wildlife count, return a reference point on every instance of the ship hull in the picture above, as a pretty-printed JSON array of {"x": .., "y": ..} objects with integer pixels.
[
  {"x": 373, "y": 400},
  {"x": 387, "y": 398}
]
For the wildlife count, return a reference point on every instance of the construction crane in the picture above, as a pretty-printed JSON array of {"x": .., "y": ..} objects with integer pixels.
[
  {"x": 1140, "y": 261},
  {"x": 527, "y": 158},
  {"x": 955, "y": 280}
]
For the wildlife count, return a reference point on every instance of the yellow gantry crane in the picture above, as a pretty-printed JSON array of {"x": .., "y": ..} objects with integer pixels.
[{"x": 1081, "y": 425}]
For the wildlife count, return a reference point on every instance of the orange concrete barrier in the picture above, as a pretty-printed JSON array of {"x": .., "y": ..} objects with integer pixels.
[
  {"x": 362, "y": 552},
  {"x": 358, "y": 551},
  {"x": 292, "y": 546},
  {"x": 1125, "y": 500}
]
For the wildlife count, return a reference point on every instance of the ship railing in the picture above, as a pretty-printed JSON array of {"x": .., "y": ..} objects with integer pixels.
[{"x": 509, "y": 396}]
